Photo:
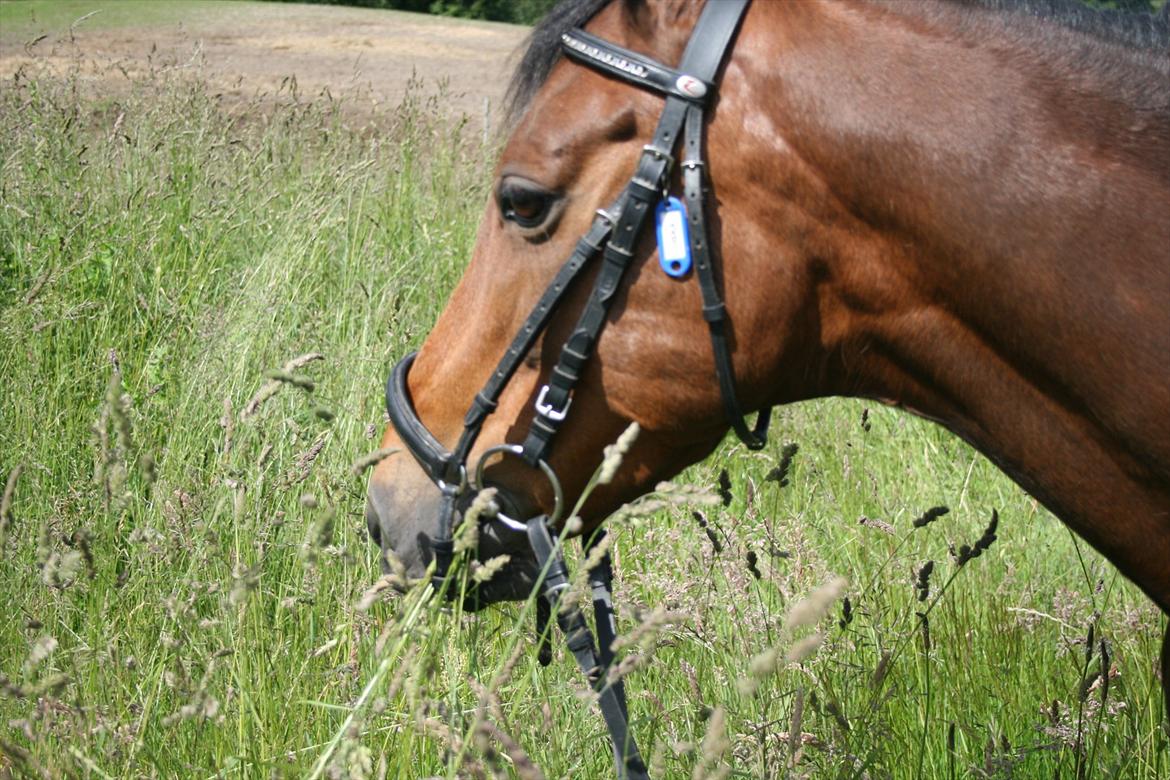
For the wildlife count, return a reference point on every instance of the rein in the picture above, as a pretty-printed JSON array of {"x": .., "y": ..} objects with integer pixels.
[{"x": 613, "y": 235}]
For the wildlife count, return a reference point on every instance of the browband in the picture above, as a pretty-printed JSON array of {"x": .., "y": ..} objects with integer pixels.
[{"x": 633, "y": 67}]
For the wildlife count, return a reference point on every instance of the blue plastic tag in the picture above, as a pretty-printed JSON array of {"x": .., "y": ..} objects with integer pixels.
[{"x": 674, "y": 241}]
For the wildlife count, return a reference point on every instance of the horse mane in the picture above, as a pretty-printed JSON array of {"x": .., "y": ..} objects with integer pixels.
[
  {"x": 1147, "y": 32},
  {"x": 1132, "y": 29},
  {"x": 543, "y": 49}
]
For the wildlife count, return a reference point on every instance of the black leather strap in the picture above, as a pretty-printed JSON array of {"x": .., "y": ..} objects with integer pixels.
[
  {"x": 714, "y": 311},
  {"x": 702, "y": 57},
  {"x": 639, "y": 70},
  {"x": 610, "y": 698},
  {"x": 588, "y": 247},
  {"x": 687, "y": 90},
  {"x": 643, "y": 191}
]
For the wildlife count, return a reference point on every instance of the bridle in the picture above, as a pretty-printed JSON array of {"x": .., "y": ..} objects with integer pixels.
[{"x": 612, "y": 236}]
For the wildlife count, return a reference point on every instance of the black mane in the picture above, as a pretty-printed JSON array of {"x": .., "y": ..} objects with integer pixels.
[
  {"x": 1145, "y": 31},
  {"x": 1133, "y": 29},
  {"x": 544, "y": 49}
]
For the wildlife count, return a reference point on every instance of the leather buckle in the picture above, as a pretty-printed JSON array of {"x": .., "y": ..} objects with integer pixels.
[{"x": 546, "y": 409}]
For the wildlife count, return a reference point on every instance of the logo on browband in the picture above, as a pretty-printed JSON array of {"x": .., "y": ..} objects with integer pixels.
[
  {"x": 608, "y": 58},
  {"x": 689, "y": 85}
]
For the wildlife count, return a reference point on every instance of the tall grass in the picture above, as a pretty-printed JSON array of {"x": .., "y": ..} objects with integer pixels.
[{"x": 198, "y": 305}]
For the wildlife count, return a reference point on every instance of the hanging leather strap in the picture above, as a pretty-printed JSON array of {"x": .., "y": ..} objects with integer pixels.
[{"x": 610, "y": 698}]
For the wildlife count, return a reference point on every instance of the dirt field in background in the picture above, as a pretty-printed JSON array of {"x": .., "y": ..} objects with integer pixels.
[{"x": 246, "y": 49}]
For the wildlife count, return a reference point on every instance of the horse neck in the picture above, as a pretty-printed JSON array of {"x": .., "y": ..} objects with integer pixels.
[{"x": 991, "y": 250}]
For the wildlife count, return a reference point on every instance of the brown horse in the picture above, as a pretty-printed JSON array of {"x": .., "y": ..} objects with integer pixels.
[{"x": 962, "y": 209}]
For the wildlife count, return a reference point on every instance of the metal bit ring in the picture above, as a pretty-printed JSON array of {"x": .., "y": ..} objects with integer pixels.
[{"x": 518, "y": 451}]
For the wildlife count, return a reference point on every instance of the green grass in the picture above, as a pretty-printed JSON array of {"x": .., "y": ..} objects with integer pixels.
[{"x": 176, "y": 609}]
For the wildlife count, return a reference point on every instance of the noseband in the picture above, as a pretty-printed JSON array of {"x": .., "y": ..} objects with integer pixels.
[{"x": 612, "y": 236}]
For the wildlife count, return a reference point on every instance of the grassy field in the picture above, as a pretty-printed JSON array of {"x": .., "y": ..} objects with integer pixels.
[{"x": 185, "y": 576}]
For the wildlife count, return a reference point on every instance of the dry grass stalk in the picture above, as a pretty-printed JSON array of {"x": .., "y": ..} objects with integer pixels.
[
  {"x": 439, "y": 730},
  {"x": 365, "y": 462},
  {"x": 715, "y": 744},
  {"x": 304, "y": 461},
  {"x": 228, "y": 423},
  {"x": 808, "y": 611},
  {"x": 815, "y": 606},
  {"x": 110, "y": 471},
  {"x": 483, "y": 572},
  {"x": 467, "y": 535},
  {"x": 646, "y": 632},
  {"x": 44, "y": 647},
  {"x": 6, "y": 521},
  {"x": 882, "y": 669},
  {"x": 794, "y": 732},
  {"x": 579, "y": 582},
  {"x": 319, "y": 536},
  {"x": 277, "y": 379},
  {"x": 876, "y": 524},
  {"x": 521, "y": 762},
  {"x": 641, "y": 642},
  {"x": 804, "y": 648},
  {"x": 373, "y": 593},
  {"x": 657, "y": 767},
  {"x": 665, "y": 495}
]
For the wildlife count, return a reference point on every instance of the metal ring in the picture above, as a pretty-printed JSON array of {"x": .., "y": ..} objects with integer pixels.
[
  {"x": 447, "y": 489},
  {"x": 518, "y": 451}
]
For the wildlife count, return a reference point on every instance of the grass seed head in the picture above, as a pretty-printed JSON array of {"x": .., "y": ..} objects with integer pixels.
[
  {"x": 969, "y": 552},
  {"x": 715, "y": 744},
  {"x": 930, "y": 515},
  {"x": 815, "y": 605},
  {"x": 299, "y": 381},
  {"x": 615, "y": 452},
  {"x": 779, "y": 474},
  {"x": 489, "y": 568},
  {"x": 724, "y": 487},
  {"x": 365, "y": 462},
  {"x": 803, "y": 648},
  {"x": 846, "y": 613},
  {"x": 922, "y": 581},
  {"x": 41, "y": 649}
]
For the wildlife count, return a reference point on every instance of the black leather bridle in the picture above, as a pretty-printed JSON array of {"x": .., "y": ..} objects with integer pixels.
[{"x": 689, "y": 89}]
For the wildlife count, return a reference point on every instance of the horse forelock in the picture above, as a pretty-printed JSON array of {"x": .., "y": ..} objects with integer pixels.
[{"x": 543, "y": 49}]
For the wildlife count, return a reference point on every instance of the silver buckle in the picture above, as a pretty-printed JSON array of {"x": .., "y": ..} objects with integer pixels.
[{"x": 547, "y": 409}]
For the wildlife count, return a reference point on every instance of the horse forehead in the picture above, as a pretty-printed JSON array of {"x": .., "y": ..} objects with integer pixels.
[{"x": 560, "y": 135}]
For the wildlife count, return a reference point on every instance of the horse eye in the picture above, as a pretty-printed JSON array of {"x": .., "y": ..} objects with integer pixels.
[{"x": 523, "y": 202}]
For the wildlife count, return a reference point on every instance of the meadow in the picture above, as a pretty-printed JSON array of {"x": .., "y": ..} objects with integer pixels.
[{"x": 199, "y": 302}]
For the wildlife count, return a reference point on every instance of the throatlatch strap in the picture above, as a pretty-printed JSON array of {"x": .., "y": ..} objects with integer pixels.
[{"x": 714, "y": 311}]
